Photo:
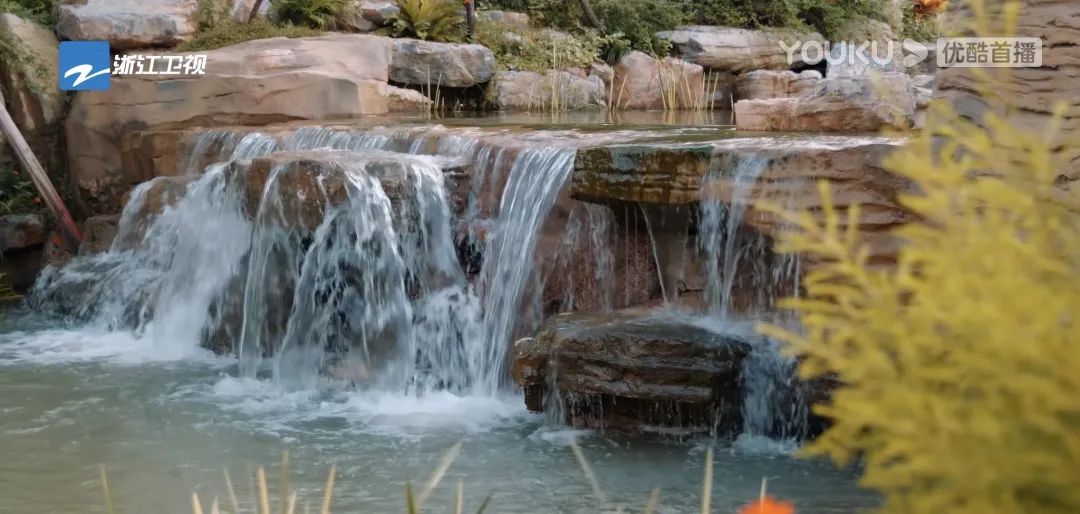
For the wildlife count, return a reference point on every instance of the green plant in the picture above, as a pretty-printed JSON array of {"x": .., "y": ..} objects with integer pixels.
[
  {"x": 430, "y": 20},
  {"x": 211, "y": 13},
  {"x": 232, "y": 33},
  {"x": 317, "y": 14},
  {"x": 637, "y": 21},
  {"x": 959, "y": 364},
  {"x": 17, "y": 193},
  {"x": 41, "y": 11},
  {"x": 538, "y": 49},
  {"x": 824, "y": 16}
]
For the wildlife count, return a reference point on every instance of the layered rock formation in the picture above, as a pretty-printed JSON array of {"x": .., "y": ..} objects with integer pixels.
[
  {"x": 735, "y": 50},
  {"x": 1028, "y": 95},
  {"x": 653, "y": 376}
]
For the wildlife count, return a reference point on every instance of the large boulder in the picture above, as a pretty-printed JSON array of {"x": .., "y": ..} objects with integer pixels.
[
  {"x": 527, "y": 90},
  {"x": 128, "y": 24},
  {"x": 835, "y": 105},
  {"x": 427, "y": 63},
  {"x": 735, "y": 50},
  {"x": 646, "y": 375},
  {"x": 253, "y": 83},
  {"x": 765, "y": 84},
  {"x": 1029, "y": 96},
  {"x": 642, "y": 82},
  {"x": 29, "y": 84}
]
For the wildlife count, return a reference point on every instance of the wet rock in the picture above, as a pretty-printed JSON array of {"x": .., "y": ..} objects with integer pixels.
[
  {"x": 636, "y": 374},
  {"x": 835, "y": 105},
  {"x": 407, "y": 100},
  {"x": 735, "y": 50},
  {"x": 29, "y": 86},
  {"x": 128, "y": 24},
  {"x": 22, "y": 231},
  {"x": 765, "y": 84},
  {"x": 98, "y": 234},
  {"x": 672, "y": 175},
  {"x": 151, "y": 199},
  {"x": 527, "y": 90},
  {"x": 416, "y": 62},
  {"x": 643, "y": 82},
  {"x": 253, "y": 83}
]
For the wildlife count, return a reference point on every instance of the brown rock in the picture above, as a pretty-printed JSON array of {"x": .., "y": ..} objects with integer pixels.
[
  {"x": 258, "y": 82},
  {"x": 765, "y": 84},
  {"x": 735, "y": 50},
  {"x": 643, "y": 82},
  {"x": 422, "y": 63},
  {"x": 658, "y": 373},
  {"x": 1029, "y": 95},
  {"x": 29, "y": 83},
  {"x": 835, "y": 105},
  {"x": 22, "y": 231},
  {"x": 527, "y": 90},
  {"x": 128, "y": 24}
]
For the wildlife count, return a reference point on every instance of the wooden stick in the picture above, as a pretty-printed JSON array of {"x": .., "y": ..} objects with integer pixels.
[{"x": 71, "y": 238}]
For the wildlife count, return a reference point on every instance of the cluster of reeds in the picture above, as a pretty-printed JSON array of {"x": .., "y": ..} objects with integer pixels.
[{"x": 287, "y": 501}]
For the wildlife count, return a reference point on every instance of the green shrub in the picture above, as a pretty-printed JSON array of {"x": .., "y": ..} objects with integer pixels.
[
  {"x": 824, "y": 16},
  {"x": 211, "y": 13},
  {"x": 318, "y": 14},
  {"x": 637, "y": 21},
  {"x": 231, "y": 33},
  {"x": 430, "y": 20},
  {"x": 17, "y": 193},
  {"x": 41, "y": 11},
  {"x": 541, "y": 50}
]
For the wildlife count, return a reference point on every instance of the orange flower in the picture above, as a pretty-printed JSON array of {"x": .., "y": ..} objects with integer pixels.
[
  {"x": 927, "y": 8},
  {"x": 768, "y": 505}
]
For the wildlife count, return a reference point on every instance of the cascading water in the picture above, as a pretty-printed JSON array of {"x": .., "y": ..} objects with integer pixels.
[
  {"x": 773, "y": 407},
  {"x": 532, "y": 187}
]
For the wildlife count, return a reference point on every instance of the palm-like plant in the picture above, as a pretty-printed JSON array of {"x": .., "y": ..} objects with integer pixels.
[
  {"x": 319, "y": 14},
  {"x": 431, "y": 20}
]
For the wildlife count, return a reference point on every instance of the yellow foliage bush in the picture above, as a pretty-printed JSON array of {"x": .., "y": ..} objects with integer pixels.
[{"x": 961, "y": 365}]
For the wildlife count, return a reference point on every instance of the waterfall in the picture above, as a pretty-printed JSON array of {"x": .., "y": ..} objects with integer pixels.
[
  {"x": 535, "y": 180},
  {"x": 773, "y": 406}
]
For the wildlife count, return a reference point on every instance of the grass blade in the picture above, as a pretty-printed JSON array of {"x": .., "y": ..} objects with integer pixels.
[
  {"x": 459, "y": 501},
  {"x": 110, "y": 507},
  {"x": 214, "y": 507},
  {"x": 438, "y": 475},
  {"x": 292, "y": 504},
  {"x": 484, "y": 504},
  {"x": 410, "y": 501},
  {"x": 587, "y": 469},
  {"x": 232, "y": 491},
  {"x": 329, "y": 493},
  {"x": 264, "y": 495},
  {"x": 706, "y": 483},
  {"x": 283, "y": 482},
  {"x": 654, "y": 501},
  {"x": 196, "y": 505}
]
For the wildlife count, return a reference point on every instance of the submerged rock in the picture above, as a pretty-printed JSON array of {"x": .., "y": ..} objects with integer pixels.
[{"x": 642, "y": 375}]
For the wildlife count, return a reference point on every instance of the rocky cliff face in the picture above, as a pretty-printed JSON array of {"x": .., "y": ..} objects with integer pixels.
[{"x": 1028, "y": 96}]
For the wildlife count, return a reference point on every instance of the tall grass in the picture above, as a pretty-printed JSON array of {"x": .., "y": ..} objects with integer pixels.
[{"x": 415, "y": 501}]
